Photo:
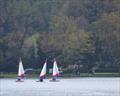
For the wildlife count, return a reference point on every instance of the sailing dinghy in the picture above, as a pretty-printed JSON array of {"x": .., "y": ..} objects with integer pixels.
[
  {"x": 43, "y": 72},
  {"x": 55, "y": 71},
  {"x": 21, "y": 72}
]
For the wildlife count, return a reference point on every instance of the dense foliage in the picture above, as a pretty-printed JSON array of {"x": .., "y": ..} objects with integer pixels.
[{"x": 85, "y": 33}]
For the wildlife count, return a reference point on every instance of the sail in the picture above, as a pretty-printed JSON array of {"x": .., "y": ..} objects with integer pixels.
[
  {"x": 43, "y": 72},
  {"x": 21, "y": 71},
  {"x": 55, "y": 69}
]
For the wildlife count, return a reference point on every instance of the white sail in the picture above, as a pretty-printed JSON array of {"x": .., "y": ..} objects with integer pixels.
[
  {"x": 21, "y": 71},
  {"x": 55, "y": 69},
  {"x": 43, "y": 72}
]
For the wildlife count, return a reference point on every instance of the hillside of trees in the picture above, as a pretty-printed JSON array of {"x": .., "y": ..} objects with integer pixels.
[{"x": 75, "y": 32}]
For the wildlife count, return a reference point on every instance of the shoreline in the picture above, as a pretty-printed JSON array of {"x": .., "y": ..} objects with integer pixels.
[{"x": 67, "y": 75}]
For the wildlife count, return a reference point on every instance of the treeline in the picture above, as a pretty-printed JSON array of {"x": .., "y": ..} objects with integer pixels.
[{"x": 85, "y": 33}]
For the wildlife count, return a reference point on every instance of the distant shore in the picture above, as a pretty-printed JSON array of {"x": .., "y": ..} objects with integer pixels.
[{"x": 67, "y": 75}]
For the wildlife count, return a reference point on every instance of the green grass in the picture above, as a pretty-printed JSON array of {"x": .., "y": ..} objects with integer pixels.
[
  {"x": 11, "y": 75},
  {"x": 107, "y": 74},
  {"x": 95, "y": 75},
  {"x": 67, "y": 75}
]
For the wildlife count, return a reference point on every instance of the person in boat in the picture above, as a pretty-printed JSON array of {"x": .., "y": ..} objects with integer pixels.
[
  {"x": 18, "y": 79},
  {"x": 54, "y": 79},
  {"x": 41, "y": 79}
]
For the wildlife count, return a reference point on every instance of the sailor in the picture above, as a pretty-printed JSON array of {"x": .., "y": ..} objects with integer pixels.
[
  {"x": 18, "y": 79},
  {"x": 41, "y": 79},
  {"x": 54, "y": 79}
]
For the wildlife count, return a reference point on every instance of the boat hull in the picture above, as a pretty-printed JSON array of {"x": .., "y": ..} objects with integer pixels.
[
  {"x": 19, "y": 81},
  {"x": 54, "y": 80}
]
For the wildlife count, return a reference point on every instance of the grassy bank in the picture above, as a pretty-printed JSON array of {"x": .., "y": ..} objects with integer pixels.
[
  {"x": 68, "y": 75},
  {"x": 91, "y": 75}
]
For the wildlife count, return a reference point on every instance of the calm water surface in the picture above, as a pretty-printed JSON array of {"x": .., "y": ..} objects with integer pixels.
[{"x": 65, "y": 87}]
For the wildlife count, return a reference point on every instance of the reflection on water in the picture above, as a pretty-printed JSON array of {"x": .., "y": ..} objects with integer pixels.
[{"x": 66, "y": 87}]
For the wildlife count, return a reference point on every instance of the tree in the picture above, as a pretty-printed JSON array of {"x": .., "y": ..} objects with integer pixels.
[{"x": 108, "y": 29}]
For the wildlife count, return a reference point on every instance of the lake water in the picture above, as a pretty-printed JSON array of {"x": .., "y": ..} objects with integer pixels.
[{"x": 65, "y": 87}]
